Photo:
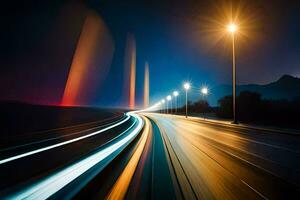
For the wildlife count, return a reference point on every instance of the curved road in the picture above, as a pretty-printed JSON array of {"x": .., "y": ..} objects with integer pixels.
[{"x": 155, "y": 156}]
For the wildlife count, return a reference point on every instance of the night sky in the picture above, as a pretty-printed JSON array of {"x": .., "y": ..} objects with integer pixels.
[{"x": 181, "y": 40}]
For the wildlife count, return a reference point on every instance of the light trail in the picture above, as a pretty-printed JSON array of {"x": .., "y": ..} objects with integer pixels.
[
  {"x": 120, "y": 188},
  {"x": 6, "y": 160},
  {"x": 53, "y": 183},
  {"x": 59, "y": 137}
]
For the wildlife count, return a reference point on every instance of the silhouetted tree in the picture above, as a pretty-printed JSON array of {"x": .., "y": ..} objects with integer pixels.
[
  {"x": 252, "y": 108},
  {"x": 200, "y": 106},
  {"x": 225, "y": 109},
  {"x": 249, "y": 106}
]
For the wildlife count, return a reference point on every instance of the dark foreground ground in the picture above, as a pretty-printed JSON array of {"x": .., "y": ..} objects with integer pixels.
[
  {"x": 20, "y": 118},
  {"x": 29, "y": 128}
]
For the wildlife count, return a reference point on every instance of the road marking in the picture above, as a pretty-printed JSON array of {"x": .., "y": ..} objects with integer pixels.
[
  {"x": 225, "y": 168},
  {"x": 260, "y": 194},
  {"x": 6, "y": 160},
  {"x": 186, "y": 188}
]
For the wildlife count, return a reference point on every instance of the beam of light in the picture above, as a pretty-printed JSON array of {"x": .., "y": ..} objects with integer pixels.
[
  {"x": 61, "y": 143},
  {"x": 120, "y": 187},
  {"x": 53, "y": 183},
  {"x": 146, "y": 86},
  {"x": 130, "y": 71},
  {"x": 91, "y": 62}
]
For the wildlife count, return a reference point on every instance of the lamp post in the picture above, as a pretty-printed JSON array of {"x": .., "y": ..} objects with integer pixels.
[
  {"x": 163, "y": 105},
  {"x": 186, "y": 86},
  {"x": 169, "y": 98},
  {"x": 204, "y": 92},
  {"x": 232, "y": 28},
  {"x": 175, "y": 94},
  {"x": 167, "y": 105}
]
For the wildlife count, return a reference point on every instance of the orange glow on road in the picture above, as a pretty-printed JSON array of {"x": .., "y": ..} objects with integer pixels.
[{"x": 91, "y": 62}]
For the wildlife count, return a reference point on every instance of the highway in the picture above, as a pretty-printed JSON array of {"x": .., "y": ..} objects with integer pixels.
[
  {"x": 154, "y": 156},
  {"x": 219, "y": 161}
]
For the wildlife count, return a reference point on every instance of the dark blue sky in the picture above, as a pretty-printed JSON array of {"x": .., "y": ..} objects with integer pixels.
[{"x": 39, "y": 39}]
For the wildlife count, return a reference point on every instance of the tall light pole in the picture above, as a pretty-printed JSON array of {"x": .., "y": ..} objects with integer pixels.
[
  {"x": 169, "y": 98},
  {"x": 232, "y": 28},
  {"x": 204, "y": 92},
  {"x": 186, "y": 86},
  {"x": 163, "y": 103},
  {"x": 167, "y": 105},
  {"x": 175, "y": 94}
]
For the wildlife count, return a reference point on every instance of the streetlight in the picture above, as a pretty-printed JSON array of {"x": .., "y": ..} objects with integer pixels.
[
  {"x": 232, "y": 28},
  {"x": 175, "y": 94},
  {"x": 169, "y": 98},
  {"x": 204, "y": 92},
  {"x": 186, "y": 86},
  {"x": 163, "y": 102},
  {"x": 158, "y": 105}
]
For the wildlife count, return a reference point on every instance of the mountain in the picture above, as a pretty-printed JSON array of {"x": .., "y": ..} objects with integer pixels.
[{"x": 286, "y": 87}]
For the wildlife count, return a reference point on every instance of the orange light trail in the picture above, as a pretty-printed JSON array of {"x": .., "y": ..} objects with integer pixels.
[{"x": 121, "y": 186}]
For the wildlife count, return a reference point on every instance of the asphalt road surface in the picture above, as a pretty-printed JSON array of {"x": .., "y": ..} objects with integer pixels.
[
  {"x": 219, "y": 161},
  {"x": 155, "y": 156}
]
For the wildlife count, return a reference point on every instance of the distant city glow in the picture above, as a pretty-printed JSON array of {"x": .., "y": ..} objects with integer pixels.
[{"x": 186, "y": 86}]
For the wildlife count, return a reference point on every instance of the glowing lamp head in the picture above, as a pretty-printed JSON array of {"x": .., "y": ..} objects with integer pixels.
[
  {"x": 163, "y": 101},
  {"x": 204, "y": 90},
  {"x": 186, "y": 86},
  {"x": 175, "y": 93},
  {"x": 232, "y": 28},
  {"x": 169, "y": 98}
]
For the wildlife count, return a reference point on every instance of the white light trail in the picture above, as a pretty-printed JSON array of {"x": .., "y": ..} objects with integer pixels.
[
  {"x": 6, "y": 160},
  {"x": 52, "y": 184}
]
